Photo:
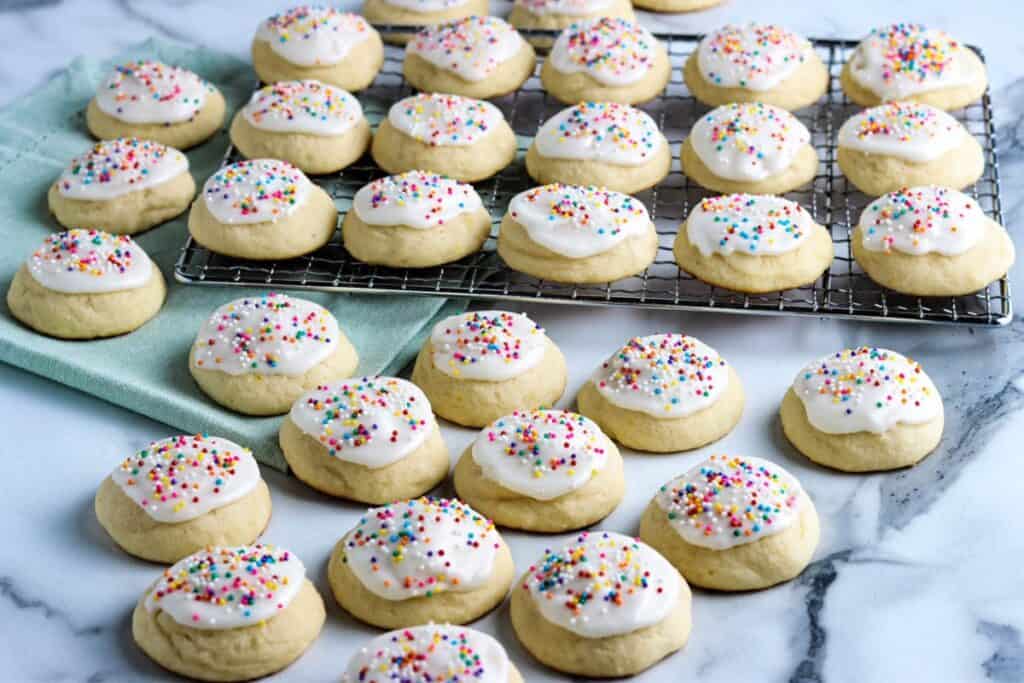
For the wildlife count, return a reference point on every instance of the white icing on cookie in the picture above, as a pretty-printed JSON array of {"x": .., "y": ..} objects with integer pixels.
[
  {"x": 255, "y": 191},
  {"x": 911, "y": 131},
  {"x": 603, "y": 584},
  {"x": 223, "y": 588},
  {"x": 303, "y": 107},
  {"x": 572, "y": 8},
  {"x": 491, "y": 346},
  {"x": 313, "y": 35},
  {"x": 184, "y": 477},
  {"x": 866, "y": 389},
  {"x": 114, "y": 168},
  {"x": 759, "y": 225},
  {"x": 270, "y": 335},
  {"x": 753, "y": 56},
  {"x": 472, "y": 48},
  {"x": 444, "y": 120},
  {"x": 427, "y": 5},
  {"x": 422, "y": 547},
  {"x": 922, "y": 220},
  {"x": 430, "y": 654},
  {"x": 152, "y": 92},
  {"x": 370, "y": 421},
  {"x": 89, "y": 262},
  {"x": 610, "y": 50},
  {"x": 415, "y": 199},
  {"x": 663, "y": 375},
  {"x": 577, "y": 222},
  {"x": 728, "y": 501},
  {"x": 748, "y": 142},
  {"x": 606, "y": 132}
]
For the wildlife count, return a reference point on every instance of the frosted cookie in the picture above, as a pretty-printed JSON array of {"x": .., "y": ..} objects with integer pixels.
[
  {"x": 566, "y": 233},
  {"x": 605, "y": 60},
  {"x": 753, "y": 243},
  {"x": 604, "y": 605},
  {"x": 229, "y": 614},
  {"x": 931, "y": 241},
  {"x": 555, "y": 15},
  {"x": 313, "y": 42},
  {"x": 421, "y": 561},
  {"x": 751, "y": 147},
  {"x": 542, "y": 470},
  {"x": 663, "y": 393},
  {"x": 911, "y": 62},
  {"x": 153, "y": 101},
  {"x": 317, "y": 128},
  {"x": 264, "y": 210},
  {"x": 415, "y": 220},
  {"x": 420, "y": 13},
  {"x": 372, "y": 439},
  {"x": 733, "y": 524},
  {"x": 755, "y": 63},
  {"x": 605, "y": 144},
  {"x": 125, "y": 185},
  {"x": 898, "y": 144},
  {"x": 459, "y": 137},
  {"x": 443, "y": 653},
  {"x": 478, "y": 56},
  {"x": 863, "y": 410},
  {"x": 182, "y": 494},
  {"x": 257, "y": 355},
  {"x": 85, "y": 284},
  {"x": 675, "y": 5},
  {"x": 480, "y": 365}
]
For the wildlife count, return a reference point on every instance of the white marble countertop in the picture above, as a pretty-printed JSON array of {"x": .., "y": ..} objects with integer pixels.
[{"x": 917, "y": 577}]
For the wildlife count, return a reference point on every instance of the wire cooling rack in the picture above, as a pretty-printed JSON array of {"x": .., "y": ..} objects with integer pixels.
[{"x": 843, "y": 291}]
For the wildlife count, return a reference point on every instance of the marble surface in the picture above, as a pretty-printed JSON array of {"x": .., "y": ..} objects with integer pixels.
[{"x": 918, "y": 574}]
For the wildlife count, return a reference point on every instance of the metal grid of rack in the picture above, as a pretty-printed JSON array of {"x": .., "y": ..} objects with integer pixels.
[{"x": 843, "y": 291}]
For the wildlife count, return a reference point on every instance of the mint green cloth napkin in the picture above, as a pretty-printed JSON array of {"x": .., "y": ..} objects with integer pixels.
[{"x": 147, "y": 371}]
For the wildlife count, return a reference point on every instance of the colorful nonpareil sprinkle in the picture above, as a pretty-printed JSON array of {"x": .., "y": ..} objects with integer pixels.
[
  {"x": 77, "y": 261},
  {"x": 603, "y": 131},
  {"x": 754, "y": 56},
  {"x": 472, "y": 48},
  {"x": 748, "y": 141},
  {"x": 417, "y": 199},
  {"x": 303, "y": 106},
  {"x": 915, "y": 51},
  {"x": 152, "y": 92},
  {"x": 314, "y": 35},
  {"x": 112, "y": 168},
  {"x": 922, "y": 220},
  {"x": 904, "y": 122},
  {"x": 440, "y": 120},
  {"x": 569, "y": 7},
  {"x": 487, "y": 345},
  {"x": 255, "y": 191},
  {"x": 612, "y": 50},
  {"x": 750, "y": 224}
]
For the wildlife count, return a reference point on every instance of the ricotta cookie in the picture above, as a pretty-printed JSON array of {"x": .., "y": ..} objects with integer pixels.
[
  {"x": 733, "y": 524},
  {"x": 421, "y": 561},
  {"x": 675, "y": 5},
  {"x": 372, "y": 440},
  {"x": 264, "y": 210},
  {"x": 566, "y": 233},
  {"x": 86, "y": 284},
  {"x": 420, "y": 13},
  {"x": 756, "y": 63},
  {"x": 313, "y": 42},
  {"x": 606, "y": 60},
  {"x": 753, "y": 244},
  {"x": 480, "y": 365},
  {"x": 153, "y": 101},
  {"x": 257, "y": 355},
  {"x": 931, "y": 241},
  {"x": 863, "y": 410},
  {"x": 416, "y": 219},
  {"x": 126, "y": 185},
  {"x": 182, "y": 494},
  {"x": 434, "y": 652},
  {"x": 898, "y": 144},
  {"x": 605, "y": 144},
  {"x": 911, "y": 62},
  {"x": 229, "y": 614},
  {"x": 462, "y": 138},
  {"x": 604, "y": 605},
  {"x": 478, "y": 56},
  {"x": 750, "y": 147},
  {"x": 542, "y": 470},
  {"x": 315, "y": 127},
  {"x": 555, "y": 15},
  {"x": 664, "y": 393}
]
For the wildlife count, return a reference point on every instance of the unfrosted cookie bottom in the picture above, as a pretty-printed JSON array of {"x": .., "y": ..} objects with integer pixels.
[
  {"x": 675, "y": 5},
  {"x": 522, "y": 18},
  {"x": 316, "y": 154},
  {"x": 627, "y": 179},
  {"x": 573, "y": 88},
  {"x": 396, "y": 152},
  {"x": 878, "y": 174},
  {"x": 401, "y": 246},
  {"x": 383, "y": 12},
  {"x": 943, "y": 98},
  {"x": 799, "y": 173},
  {"x": 803, "y": 88},
  {"x": 128, "y": 214},
  {"x": 507, "y": 76},
  {"x": 356, "y": 71}
]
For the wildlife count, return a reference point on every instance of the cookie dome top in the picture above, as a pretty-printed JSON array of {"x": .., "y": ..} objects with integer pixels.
[
  {"x": 183, "y": 477},
  {"x": 603, "y": 584},
  {"x": 759, "y": 225},
  {"x": 922, "y": 220},
  {"x": 610, "y": 50},
  {"x": 415, "y": 199},
  {"x": 471, "y": 48},
  {"x": 224, "y": 588},
  {"x": 866, "y": 389},
  {"x": 114, "y": 168},
  {"x": 908, "y": 130},
  {"x": 663, "y": 375},
  {"x": 371, "y": 421},
  {"x": 89, "y": 262},
  {"x": 577, "y": 222},
  {"x": 421, "y": 548},
  {"x": 273, "y": 334},
  {"x": 572, "y": 8},
  {"x": 444, "y": 120},
  {"x": 427, "y": 5},
  {"x": 487, "y": 345},
  {"x": 313, "y": 35},
  {"x": 748, "y": 142},
  {"x": 255, "y": 191},
  {"x": 606, "y": 132},
  {"x": 752, "y": 56},
  {"x": 151, "y": 92},
  {"x": 303, "y": 107}
]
